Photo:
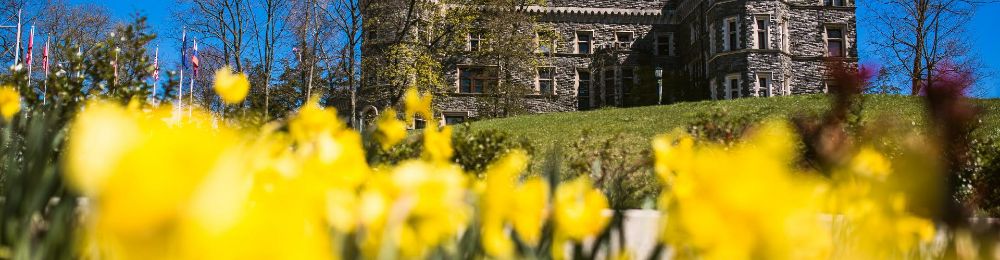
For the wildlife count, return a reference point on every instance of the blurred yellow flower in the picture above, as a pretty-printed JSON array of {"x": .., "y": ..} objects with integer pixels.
[
  {"x": 871, "y": 163},
  {"x": 437, "y": 144},
  {"x": 390, "y": 129},
  {"x": 579, "y": 210},
  {"x": 418, "y": 104},
  {"x": 10, "y": 102},
  {"x": 231, "y": 87},
  {"x": 504, "y": 204}
]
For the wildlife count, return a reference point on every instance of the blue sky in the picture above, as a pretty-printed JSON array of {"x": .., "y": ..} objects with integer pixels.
[{"x": 984, "y": 32}]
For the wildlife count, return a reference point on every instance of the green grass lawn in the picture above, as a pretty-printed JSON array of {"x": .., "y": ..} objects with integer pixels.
[{"x": 638, "y": 126}]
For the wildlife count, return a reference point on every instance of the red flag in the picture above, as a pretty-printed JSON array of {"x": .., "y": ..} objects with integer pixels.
[
  {"x": 45, "y": 58},
  {"x": 156, "y": 66},
  {"x": 194, "y": 58},
  {"x": 31, "y": 45}
]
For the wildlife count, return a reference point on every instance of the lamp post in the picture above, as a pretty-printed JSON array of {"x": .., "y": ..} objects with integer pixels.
[{"x": 659, "y": 84}]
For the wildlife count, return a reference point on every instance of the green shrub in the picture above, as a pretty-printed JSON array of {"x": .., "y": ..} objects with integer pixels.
[
  {"x": 624, "y": 175},
  {"x": 981, "y": 175},
  {"x": 474, "y": 149}
]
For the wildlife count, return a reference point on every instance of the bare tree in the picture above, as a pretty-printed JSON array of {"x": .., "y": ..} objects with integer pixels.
[
  {"x": 267, "y": 34},
  {"x": 346, "y": 17},
  {"x": 921, "y": 38},
  {"x": 225, "y": 24}
]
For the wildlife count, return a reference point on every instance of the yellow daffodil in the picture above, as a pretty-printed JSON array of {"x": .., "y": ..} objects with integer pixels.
[
  {"x": 231, "y": 87},
  {"x": 418, "y": 104},
  {"x": 10, "y": 102},
  {"x": 437, "y": 144},
  {"x": 390, "y": 129},
  {"x": 579, "y": 209}
]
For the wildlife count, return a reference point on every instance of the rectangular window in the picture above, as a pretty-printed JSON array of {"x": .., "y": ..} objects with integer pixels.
[
  {"x": 785, "y": 41},
  {"x": 546, "y": 80},
  {"x": 711, "y": 38},
  {"x": 628, "y": 81},
  {"x": 546, "y": 42},
  {"x": 764, "y": 88},
  {"x": 624, "y": 40},
  {"x": 583, "y": 89},
  {"x": 664, "y": 44},
  {"x": 732, "y": 87},
  {"x": 584, "y": 42},
  {"x": 609, "y": 86},
  {"x": 693, "y": 28},
  {"x": 454, "y": 118},
  {"x": 834, "y": 2},
  {"x": 476, "y": 39},
  {"x": 835, "y": 42},
  {"x": 762, "y": 33},
  {"x": 732, "y": 35},
  {"x": 476, "y": 79}
]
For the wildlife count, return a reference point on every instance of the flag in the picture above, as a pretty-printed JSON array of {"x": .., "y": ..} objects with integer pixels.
[
  {"x": 194, "y": 57},
  {"x": 31, "y": 45},
  {"x": 184, "y": 43},
  {"x": 156, "y": 66},
  {"x": 45, "y": 58}
]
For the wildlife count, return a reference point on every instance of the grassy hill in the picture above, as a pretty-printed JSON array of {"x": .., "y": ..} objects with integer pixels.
[{"x": 638, "y": 126}]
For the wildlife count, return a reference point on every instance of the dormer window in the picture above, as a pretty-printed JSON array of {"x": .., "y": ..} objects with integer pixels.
[{"x": 624, "y": 40}]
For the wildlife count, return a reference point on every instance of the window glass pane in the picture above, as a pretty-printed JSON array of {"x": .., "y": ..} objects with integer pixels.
[
  {"x": 545, "y": 87},
  {"x": 834, "y": 33},
  {"x": 663, "y": 45},
  {"x": 836, "y": 48},
  {"x": 454, "y": 120}
]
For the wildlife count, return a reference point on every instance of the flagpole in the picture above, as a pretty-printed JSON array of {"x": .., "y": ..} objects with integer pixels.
[
  {"x": 17, "y": 49},
  {"x": 156, "y": 72},
  {"x": 191, "y": 93},
  {"x": 45, "y": 67},
  {"x": 180, "y": 84},
  {"x": 31, "y": 44}
]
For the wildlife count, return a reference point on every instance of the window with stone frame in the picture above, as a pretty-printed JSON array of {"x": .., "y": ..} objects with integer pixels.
[
  {"x": 584, "y": 42},
  {"x": 764, "y": 86},
  {"x": 711, "y": 38},
  {"x": 835, "y": 2},
  {"x": 546, "y": 40},
  {"x": 476, "y": 40},
  {"x": 628, "y": 81},
  {"x": 785, "y": 40},
  {"x": 624, "y": 39},
  {"x": 454, "y": 118},
  {"x": 609, "y": 86},
  {"x": 730, "y": 34},
  {"x": 583, "y": 88},
  {"x": 836, "y": 45},
  {"x": 762, "y": 32},
  {"x": 545, "y": 82},
  {"x": 664, "y": 42},
  {"x": 475, "y": 80},
  {"x": 733, "y": 84}
]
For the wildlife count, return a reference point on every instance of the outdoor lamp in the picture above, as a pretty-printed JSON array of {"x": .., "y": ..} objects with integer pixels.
[{"x": 659, "y": 72}]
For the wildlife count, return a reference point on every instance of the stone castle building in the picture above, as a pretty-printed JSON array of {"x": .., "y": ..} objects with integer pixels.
[{"x": 607, "y": 52}]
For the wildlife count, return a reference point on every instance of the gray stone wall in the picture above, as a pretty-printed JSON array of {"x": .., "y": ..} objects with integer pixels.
[{"x": 799, "y": 67}]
